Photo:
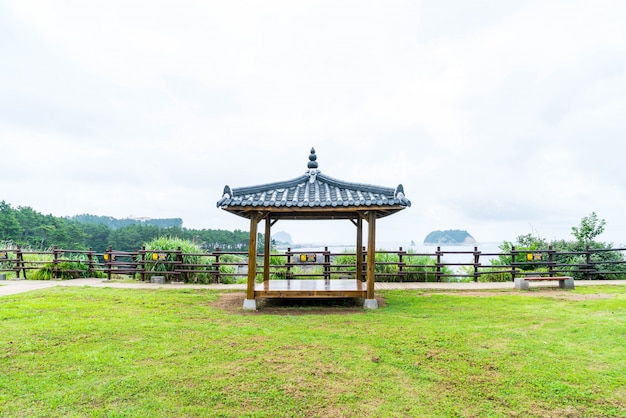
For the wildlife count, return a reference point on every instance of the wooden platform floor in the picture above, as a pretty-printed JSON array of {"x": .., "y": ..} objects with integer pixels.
[{"x": 349, "y": 288}]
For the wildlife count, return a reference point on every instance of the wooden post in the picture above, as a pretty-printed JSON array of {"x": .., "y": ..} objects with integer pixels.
[
  {"x": 108, "y": 255},
  {"x": 267, "y": 250},
  {"x": 288, "y": 264},
  {"x": 550, "y": 261},
  {"x": 55, "y": 262},
  {"x": 359, "y": 247},
  {"x": 326, "y": 264},
  {"x": 142, "y": 266},
  {"x": 401, "y": 265},
  {"x": 216, "y": 254},
  {"x": 19, "y": 265},
  {"x": 476, "y": 263},
  {"x": 250, "y": 302},
  {"x": 588, "y": 262},
  {"x": 512, "y": 263},
  {"x": 438, "y": 267},
  {"x": 90, "y": 262},
  {"x": 179, "y": 267},
  {"x": 370, "y": 300}
]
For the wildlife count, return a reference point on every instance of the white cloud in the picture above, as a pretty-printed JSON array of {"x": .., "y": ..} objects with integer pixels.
[{"x": 494, "y": 116}]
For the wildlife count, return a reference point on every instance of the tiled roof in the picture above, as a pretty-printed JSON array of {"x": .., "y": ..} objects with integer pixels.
[{"x": 313, "y": 190}]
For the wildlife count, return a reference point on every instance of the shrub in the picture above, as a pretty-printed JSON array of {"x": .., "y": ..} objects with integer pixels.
[
  {"x": 75, "y": 268},
  {"x": 422, "y": 269},
  {"x": 6, "y": 257},
  {"x": 417, "y": 269},
  {"x": 161, "y": 257},
  {"x": 229, "y": 270},
  {"x": 277, "y": 266},
  {"x": 75, "y": 265},
  {"x": 494, "y": 277}
]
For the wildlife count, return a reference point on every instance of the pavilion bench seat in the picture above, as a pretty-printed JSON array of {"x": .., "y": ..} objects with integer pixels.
[{"x": 565, "y": 282}]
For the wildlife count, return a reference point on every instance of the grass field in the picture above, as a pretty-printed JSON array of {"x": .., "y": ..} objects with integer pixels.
[{"x": 137, "y": 353}]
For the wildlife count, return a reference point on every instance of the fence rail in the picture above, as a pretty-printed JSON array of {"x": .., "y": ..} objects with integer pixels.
[{"x": 398, "y": 265}]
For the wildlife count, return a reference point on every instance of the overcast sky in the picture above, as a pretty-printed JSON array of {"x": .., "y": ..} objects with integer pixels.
[{"x": 499, "y": 117}]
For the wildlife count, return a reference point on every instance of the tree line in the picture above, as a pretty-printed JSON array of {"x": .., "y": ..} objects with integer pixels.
[
  {"x": 26, "y": 227},
  {"x": 571, "y": 252},
  {"x": 115, "y": 223}
]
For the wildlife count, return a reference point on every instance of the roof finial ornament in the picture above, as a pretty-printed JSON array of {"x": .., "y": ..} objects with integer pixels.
[
  {"x": 312, "y": 160},
  {"x": 399, "y": 194},
  {"x": 312, "y": 166}
]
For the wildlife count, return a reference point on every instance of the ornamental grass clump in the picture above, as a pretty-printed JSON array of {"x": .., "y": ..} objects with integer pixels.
[
  {"x": 74, "y": 266},
  {"x": 163, "y": 253}
]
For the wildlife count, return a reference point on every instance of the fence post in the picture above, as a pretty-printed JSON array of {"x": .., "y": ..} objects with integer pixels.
[
  {"x": 19, "y": 264},
  {"x": 216, "y": 254},
  {"x": 512, "y": 263},
  {"x": 401, "y": 265},
  {"x": 91, "y": 268},
  {"x": 326, "y": 254},
  {"x": 364, "y": 261},
  {"x": 551, "y": 263},
  {"x": 55, "y": 262},
  {"x": 142, "y": 263},
  {"x": 178, "y": 266},
  {"x": 588, "y": 262},
  {"x": 476, "y": 263},
  {"x": 438, "y": 265},
  {"x": 108, "y": 260},
  {"x": 288, "y": 264},
  {"x": 16, "y": 265}
]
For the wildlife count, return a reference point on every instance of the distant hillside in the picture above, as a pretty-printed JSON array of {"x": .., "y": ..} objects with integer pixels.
[
  {"x": 26, "y": 227},
  {"x": 115, "y": 223},
  {"x": 449, "y": 237}
]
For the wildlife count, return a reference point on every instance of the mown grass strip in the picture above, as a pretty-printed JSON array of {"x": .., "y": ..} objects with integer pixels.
[{"x": 119, "y": 352}]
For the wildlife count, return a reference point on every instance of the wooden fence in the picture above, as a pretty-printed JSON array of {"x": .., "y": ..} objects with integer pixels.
[{"x": 227, "y": 267}]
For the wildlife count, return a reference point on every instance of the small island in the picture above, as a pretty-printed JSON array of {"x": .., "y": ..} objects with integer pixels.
[
  {"x": 449, "y": 237},
  {"x": 282, "y": 238}
]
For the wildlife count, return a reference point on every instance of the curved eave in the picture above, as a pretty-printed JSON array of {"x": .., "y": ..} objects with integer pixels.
[{"x": 310, "y": 213}]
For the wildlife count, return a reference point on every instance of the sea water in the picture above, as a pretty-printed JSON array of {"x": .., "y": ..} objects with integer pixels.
[{"x": 450, "y": 253}]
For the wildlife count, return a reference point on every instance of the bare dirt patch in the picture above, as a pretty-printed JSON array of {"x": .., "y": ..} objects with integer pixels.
[{"x": 232, "y": 303}]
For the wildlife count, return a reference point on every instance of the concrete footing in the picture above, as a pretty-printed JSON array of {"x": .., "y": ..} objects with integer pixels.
[
  {"x": 564, "y": 283},
  {"x": 521, "y": 284},
  {"x": 370, "y": 304},
  {"x": 157, "y": 279},
  {"x": 249, "y": 304}
]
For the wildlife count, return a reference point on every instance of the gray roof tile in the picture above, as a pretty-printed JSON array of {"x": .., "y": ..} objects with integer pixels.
[{"x": 313, "y": 189}]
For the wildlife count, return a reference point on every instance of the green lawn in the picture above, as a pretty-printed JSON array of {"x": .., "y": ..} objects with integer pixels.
[{"x": 118, "y": 352}]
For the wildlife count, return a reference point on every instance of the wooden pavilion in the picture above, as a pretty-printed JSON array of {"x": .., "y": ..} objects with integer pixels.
[{"x": 312, "y": 196}]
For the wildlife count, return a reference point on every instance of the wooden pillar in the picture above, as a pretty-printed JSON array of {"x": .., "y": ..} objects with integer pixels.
[
  {"x": 266, "y": 250},
  {"x": 359, "y": 248},
  {"x": 250, "y": 301},
  {"x": 370, "y": 300}
]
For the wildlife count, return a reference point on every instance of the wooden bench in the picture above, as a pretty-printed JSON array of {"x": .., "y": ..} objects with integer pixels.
[{"x": 521, "y": 283}]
